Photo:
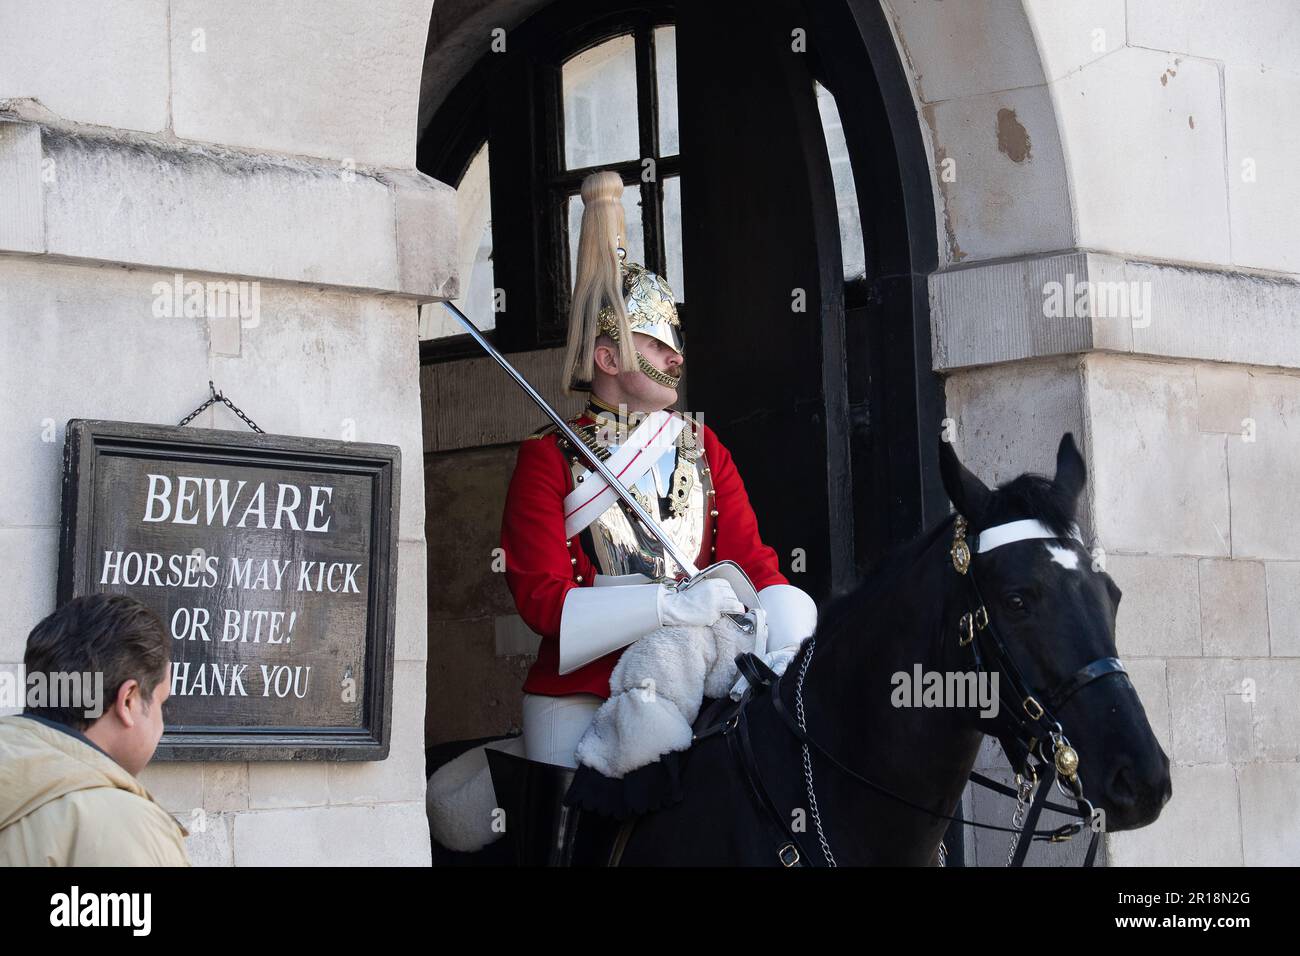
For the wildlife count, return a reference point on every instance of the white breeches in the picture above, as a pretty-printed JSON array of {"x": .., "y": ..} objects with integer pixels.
[{"x": 554, "y": 725}]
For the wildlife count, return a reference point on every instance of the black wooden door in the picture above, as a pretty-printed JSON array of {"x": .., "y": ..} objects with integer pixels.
[{"x": 764, "y": 287}]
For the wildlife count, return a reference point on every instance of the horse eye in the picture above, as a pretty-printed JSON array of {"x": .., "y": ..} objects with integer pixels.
[{"x": 1015, "y": 602}]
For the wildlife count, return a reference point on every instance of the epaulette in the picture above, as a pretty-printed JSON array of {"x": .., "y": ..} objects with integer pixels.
[{"x": 544, "y": 430}]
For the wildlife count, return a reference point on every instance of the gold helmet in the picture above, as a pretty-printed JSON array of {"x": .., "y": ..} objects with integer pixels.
[{"x": 651, "y": 310}]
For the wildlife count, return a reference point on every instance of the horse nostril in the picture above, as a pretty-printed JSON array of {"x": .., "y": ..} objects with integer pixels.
[{"x": 1121, "y": 791}]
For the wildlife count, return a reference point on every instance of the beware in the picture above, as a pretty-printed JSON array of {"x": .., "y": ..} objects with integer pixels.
[{"x": 219, "y": 504}]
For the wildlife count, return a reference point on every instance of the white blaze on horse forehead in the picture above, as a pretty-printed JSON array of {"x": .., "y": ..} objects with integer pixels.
[{"x": 1066, "y": 557}]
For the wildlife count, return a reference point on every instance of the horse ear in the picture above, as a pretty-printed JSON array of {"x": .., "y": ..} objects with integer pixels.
[
  {"x": 965, "y": 491},
  {"x": 1071, "y": 472}
]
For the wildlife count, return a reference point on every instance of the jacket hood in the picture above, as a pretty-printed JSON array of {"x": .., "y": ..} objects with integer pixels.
[{"x": 39, "y": 764}]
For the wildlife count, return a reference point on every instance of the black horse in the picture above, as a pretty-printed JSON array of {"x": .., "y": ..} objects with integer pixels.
[{"x": 1048, "y": 607}]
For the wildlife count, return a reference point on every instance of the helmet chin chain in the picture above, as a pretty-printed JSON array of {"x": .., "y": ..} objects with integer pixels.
[{"x": 654, "y": 374}]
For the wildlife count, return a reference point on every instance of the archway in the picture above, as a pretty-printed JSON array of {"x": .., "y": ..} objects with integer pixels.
[{"x": 808, "y": 234}]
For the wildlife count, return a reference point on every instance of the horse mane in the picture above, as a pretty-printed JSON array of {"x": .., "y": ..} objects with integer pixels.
[{"x": 1029, "y": 496}]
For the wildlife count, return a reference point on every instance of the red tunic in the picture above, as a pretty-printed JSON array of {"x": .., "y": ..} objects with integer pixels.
[{"x": 539, "y": 572}]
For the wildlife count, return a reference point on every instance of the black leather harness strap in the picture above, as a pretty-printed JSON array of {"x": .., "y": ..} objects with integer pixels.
[
  {"x": 788, "y": 852},
  {"x": 1060, "y": 833}
]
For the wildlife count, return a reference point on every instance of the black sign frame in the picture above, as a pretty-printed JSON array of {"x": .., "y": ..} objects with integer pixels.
[{"x": 88, "y": 440}]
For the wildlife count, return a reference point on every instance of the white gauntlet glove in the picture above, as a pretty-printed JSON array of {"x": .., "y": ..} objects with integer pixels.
[
  {"x": 598, "y": 620},
  {"x": 700, "y": 605},
  {"x": 791, "y": 619}
]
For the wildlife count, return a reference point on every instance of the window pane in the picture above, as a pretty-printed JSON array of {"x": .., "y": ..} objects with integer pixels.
[
  {"x": 846, "y": 194},
  {"x": 673, "y": 235},
  {"x": 600, "y": 117},
  {"x": 666, "y": 84},
  {"x": 473, "y": 256},
  {"x": 633, "y": 242}
]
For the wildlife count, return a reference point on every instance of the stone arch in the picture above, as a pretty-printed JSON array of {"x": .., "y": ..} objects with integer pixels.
[{"x": 982, "y": 78}]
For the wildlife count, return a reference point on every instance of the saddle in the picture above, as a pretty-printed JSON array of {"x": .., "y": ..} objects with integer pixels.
[{"x": 534, "y": 795}]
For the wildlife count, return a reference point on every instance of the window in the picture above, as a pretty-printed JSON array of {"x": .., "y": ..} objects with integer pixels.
[
  {"x": 602, "y": 127},
  {"x": 573, "y": 93}
]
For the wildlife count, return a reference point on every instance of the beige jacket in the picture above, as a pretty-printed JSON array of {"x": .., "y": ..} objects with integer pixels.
[{"x": 65, "y": 803}]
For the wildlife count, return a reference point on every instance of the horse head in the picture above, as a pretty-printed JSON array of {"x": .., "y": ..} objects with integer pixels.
[{"x": 1039, "y": 611}]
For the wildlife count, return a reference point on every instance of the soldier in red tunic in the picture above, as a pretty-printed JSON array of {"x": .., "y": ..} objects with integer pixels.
[{"x": 584, "y": 573}]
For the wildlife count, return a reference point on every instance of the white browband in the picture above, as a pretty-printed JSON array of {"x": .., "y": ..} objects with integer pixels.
[{"x": 1013, "y": 531}]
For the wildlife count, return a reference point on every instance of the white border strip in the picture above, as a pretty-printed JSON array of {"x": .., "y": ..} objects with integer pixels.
[{"x": 1025, "y": 530}]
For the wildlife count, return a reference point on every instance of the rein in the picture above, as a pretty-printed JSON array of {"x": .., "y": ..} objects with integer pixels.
[{"x": 1031, "y": 736}]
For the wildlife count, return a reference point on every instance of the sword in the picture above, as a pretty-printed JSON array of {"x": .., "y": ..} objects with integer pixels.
[{"x": 724, "y": 569}]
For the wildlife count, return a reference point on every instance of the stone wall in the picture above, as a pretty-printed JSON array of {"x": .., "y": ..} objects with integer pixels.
[
  {"x": 271, "y": 143},
  {"x": 1139, "y": 148}
]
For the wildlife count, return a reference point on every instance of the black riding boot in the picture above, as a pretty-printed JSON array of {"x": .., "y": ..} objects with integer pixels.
[
  {"x": 542, "y": 828},
  {"x": 565, "y": 830}
]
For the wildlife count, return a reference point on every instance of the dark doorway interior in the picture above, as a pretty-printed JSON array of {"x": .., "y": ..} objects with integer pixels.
[{"x": 806, "y": 235}]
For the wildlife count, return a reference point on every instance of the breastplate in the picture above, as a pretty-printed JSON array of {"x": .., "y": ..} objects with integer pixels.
[{"x": 617, "y": 542}]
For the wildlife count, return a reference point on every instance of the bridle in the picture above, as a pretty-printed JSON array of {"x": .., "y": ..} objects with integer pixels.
[{"x": 1030, "y": 733}]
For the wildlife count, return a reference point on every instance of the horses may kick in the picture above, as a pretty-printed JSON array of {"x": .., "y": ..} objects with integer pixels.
[{"x": 1002, "y": 591}]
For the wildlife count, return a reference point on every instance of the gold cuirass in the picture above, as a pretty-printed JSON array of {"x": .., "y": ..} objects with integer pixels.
[{"x": 618, "y": 543}]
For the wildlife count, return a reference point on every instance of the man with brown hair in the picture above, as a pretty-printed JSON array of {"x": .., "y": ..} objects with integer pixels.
[{"x": 68, "y": 793}]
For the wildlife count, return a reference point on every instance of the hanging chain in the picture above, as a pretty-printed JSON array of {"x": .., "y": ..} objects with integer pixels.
[
  {"x": 1023, "y": 789},
  {"x": 807, "y": 757},
  {"x": 214, "y": 397}
]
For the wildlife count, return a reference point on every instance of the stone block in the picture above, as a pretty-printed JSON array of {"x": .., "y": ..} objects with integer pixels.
[
  {"x": 225, "y": 787},
  {"x": 1000, "y": 173},
  {"x": 336, "y": 347},
  {"x": 1008, "y": 425},
  {"x": 1234, "y": 610},
  {"x": 22, "y": 228},
  {"x": 411, "y": 633},
  {"x": 209, "y": 841},
  {"x": 1198, "y": 692},
  {"x": 392, "y": 834},
  {"x": 1261, "y": 190},
  {"x": 1199, "y": 826},
  {"x": 102, "y": 63},
  {"x": 1283, "y": 579},
  {"x": 177, "y": 786},
  {"x": 1159, "y": 613},
  {"x": 1222, "y": 398},
  {"x": 1250, "y": 33},
  {"x": 974, "y": 47},
  {"x": 272, "y": 786},
  {"x": 340, "y": 81},
  {"x": 1159, "y": 119},
  {"x": 400, "y": 777},
  {"x": 1070, "y": 35},
  {"x": 72, "y": 339},
  {"x": 30, "y": 556},
  {"x": 1270, "y": 813},
  {"x": 1159, "y": 484},
  {"x": 1265, "y": 470}
]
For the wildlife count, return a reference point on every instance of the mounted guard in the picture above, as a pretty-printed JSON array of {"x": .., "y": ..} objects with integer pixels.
[{"x": 595, "y": 567}]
